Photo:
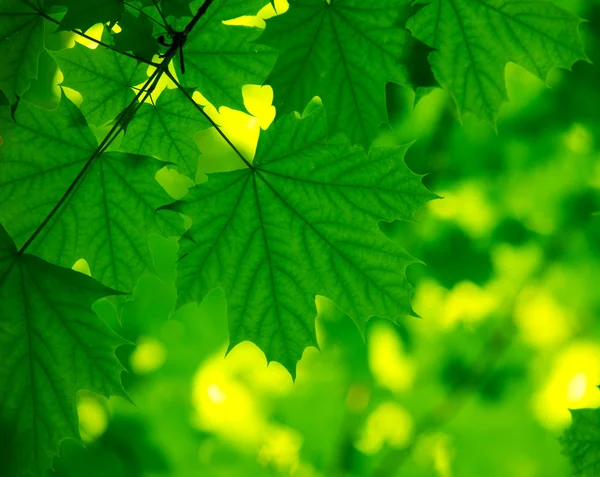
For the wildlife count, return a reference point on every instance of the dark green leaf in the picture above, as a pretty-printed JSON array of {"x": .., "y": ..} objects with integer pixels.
[{"x": 51, "y": 345}]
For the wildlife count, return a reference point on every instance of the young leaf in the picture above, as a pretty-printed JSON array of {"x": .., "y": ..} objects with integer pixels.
[
  {"x": 21, "y": 43},
  {"x": 301, "y": 221},
  {"x": 108, "y": 215},
  {"x": 103, "y": 77},
  {"x": 343, "y": 52},
  {"x": 51, "y": 345},
  {"x": 581, "y": 442},
  {"x": 219, "y": 59},
  {"x": 475, "y": 39},
  {"x": 167, "y": 131}
]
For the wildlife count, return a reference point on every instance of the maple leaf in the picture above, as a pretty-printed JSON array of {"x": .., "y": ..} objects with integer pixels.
[
  {"x": 300, "y": 221},
  {"x": 136, "y": 36},
  {"x": 581, "y": 442},
  {"x": 21, "y": 43},
  {"x": 167, "y": 130},
  {"x": 475, "y": 39},
  {"x": 343, "y": 52},
  {"x": 84, "y": 14},
  {"x": 103, "y": 77},
  {"x": 219, "y": 59},
  {"x": 108, "y": 216},
  {"x": 51, "y": 345}
]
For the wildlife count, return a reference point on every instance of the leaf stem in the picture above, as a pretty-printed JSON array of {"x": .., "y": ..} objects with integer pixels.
[
  {"x": 210, "y": 120},
  {"x": 99, "y": 42},
  {"x": 168, "y": 27},
  {"x": 148, "y": 16},
  {"x": 108, "y": 139},
  {"x": 143, "y": 93}
]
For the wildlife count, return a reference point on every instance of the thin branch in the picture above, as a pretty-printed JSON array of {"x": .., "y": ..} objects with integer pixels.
[
  {"x": 210, "y": 120},
  {"x": 101, "y": 43},
  {"x": 148, "y": 16},
  {"x": 146, "y": 91},
  {"x": 105, "y": 143},
  {"x": 201, "y": 11},
  {"x": 161, "y": 15}
]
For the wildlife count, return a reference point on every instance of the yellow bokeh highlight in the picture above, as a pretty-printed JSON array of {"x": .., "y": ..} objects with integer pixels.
[
  {"x": 579, "y": 139},
  {"x": 466, "y": 303},
  {"x": 389, "y": 424},
  {"x": 513, "y": 266},
  {"x": 148, "y": 356},
  {"x": 571, "y": 384},
  {"x": 541, "y": 320},
  {"x": 228, "y": 394},
  {"x": 390, "y": 365},
  {"x": 281, "y": 449},
  {"x": 469, "y": 207},
  {"x": 435, "y": 450},
  {"x": 93, "y": 418}
]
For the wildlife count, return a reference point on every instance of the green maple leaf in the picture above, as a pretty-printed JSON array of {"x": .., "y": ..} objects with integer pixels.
[
  {"x": 301, "y": 221},
  {"x": 167, "y": 130},
  {"x": 475, "y": 39},
  {"x": 345, "y": 52},
  {"x": 51, "y": 345},
  {"x": 84, "y": 14},
  {"x": 136, "y": 36},
  {"x": 581, "y": 442},
  {"x": 220, "y": 59},
  {"x": 21, "y": 43},
  {"x": 103, "y": 77},
  {"x": 107, "y": 217}
]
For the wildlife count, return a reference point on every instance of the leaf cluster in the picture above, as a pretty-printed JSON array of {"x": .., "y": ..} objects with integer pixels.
[{"x": 299, "y": 219}]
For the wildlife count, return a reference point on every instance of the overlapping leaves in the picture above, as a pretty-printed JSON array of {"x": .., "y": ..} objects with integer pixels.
[
  {"x": 300, "y": 221},
  {"x": 345, "y": 53},
  {"x": 106, "y": 218},
  {"x": 475, "y": 39}
]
